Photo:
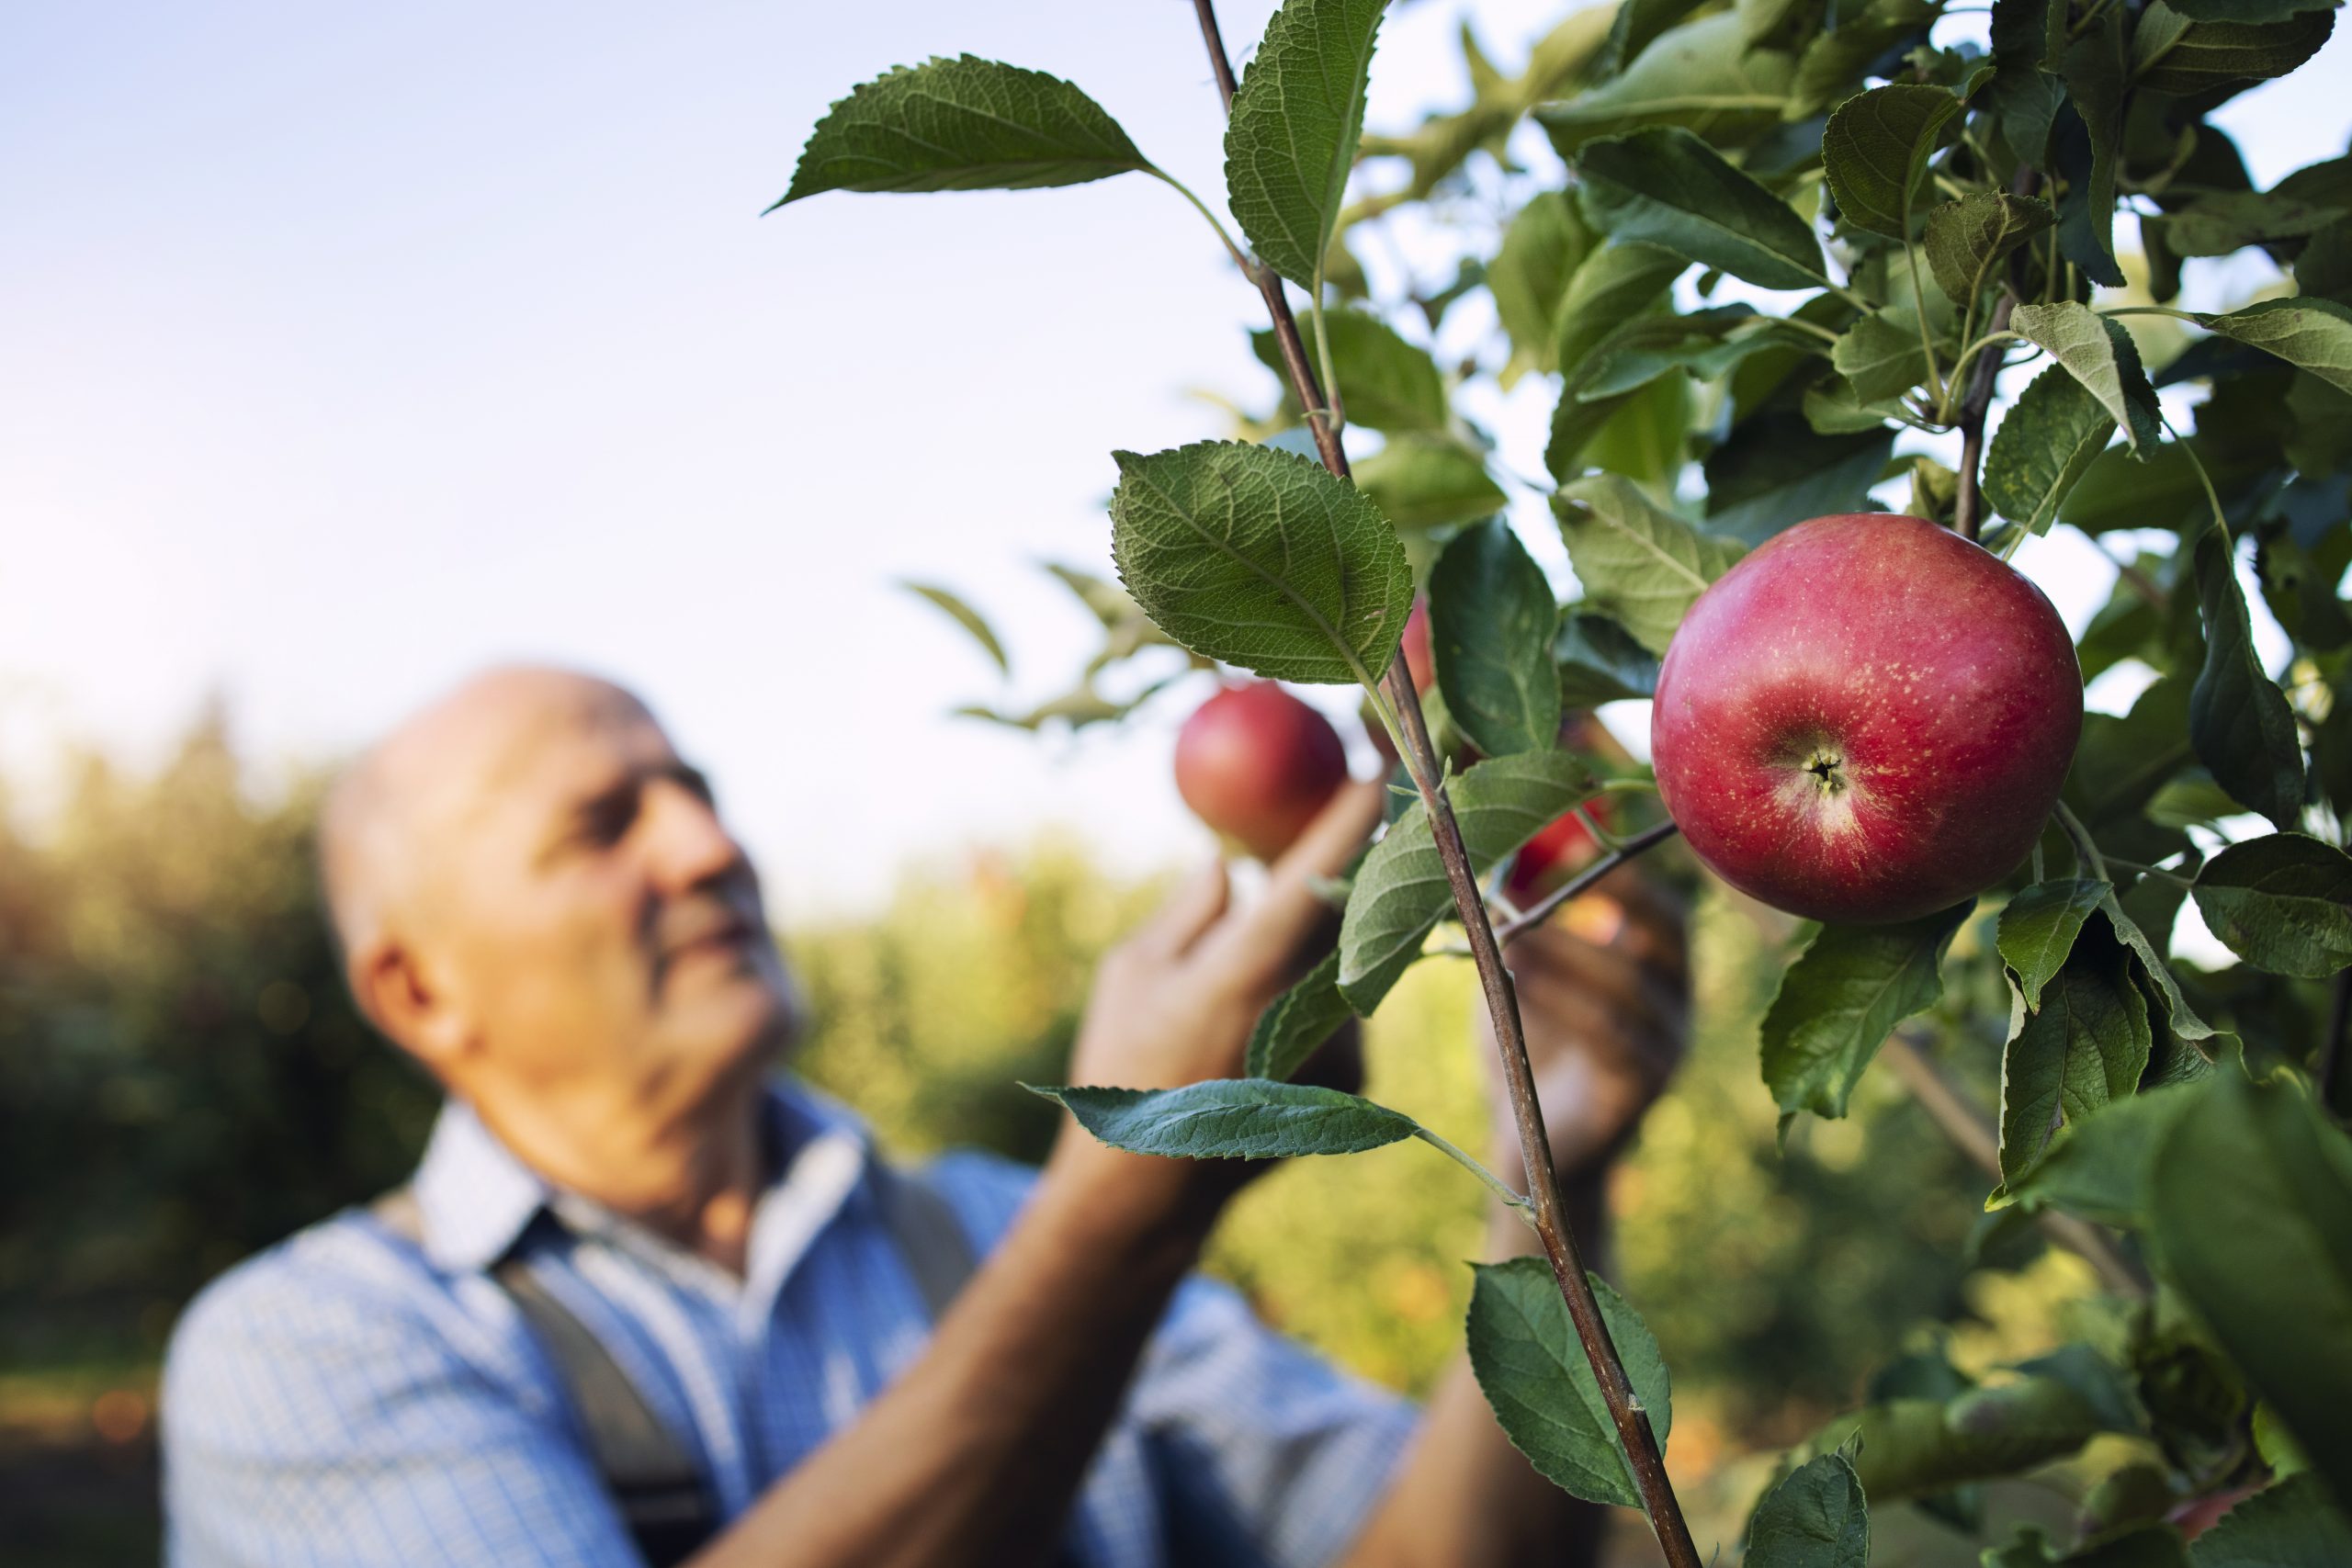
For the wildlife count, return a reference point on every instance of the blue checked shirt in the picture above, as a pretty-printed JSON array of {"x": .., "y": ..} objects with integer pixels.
[{"x": 349, "y": 1398}]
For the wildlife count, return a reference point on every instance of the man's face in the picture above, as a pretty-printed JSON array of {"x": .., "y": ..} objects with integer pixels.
[{"x": 598, "y": 925}]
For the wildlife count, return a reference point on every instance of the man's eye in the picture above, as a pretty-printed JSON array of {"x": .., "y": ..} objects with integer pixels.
[{"x": 608, "y": 822}]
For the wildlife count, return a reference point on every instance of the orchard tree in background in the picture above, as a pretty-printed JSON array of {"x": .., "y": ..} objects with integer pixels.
[{"x": 1865, "y": 717}]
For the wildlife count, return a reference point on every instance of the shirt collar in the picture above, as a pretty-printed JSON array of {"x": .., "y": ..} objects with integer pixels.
[{"x": 476, "y": 1198}]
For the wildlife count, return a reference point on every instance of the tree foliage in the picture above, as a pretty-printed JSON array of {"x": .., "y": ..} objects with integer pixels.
[{"x": 1883, "y": 216}]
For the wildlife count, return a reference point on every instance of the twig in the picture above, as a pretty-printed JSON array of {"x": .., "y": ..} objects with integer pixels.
[
  {"x": 1631, "y": 1422},
  {"x": 1973, "y": 1136},
  {"x": 1967, "y": 513},
  {"x": 1541, "y": 910}
]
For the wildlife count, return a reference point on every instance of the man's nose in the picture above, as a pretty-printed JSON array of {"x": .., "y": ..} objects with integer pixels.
[{"x": 690, "y": 845}]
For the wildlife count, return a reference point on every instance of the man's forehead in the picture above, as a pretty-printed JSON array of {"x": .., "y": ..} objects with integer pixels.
[{"x": 511, "y": 734}]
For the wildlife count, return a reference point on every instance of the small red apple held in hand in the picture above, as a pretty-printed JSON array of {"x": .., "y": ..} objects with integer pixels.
[
  {"x": 1867, "y": 719},
  {"x": 1256, "y": 764}
]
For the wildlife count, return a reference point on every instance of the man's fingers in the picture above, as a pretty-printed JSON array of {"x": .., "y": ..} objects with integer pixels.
[
  {"x": 1192, "y": 909},
  {"x": 1258, "y": 945}
]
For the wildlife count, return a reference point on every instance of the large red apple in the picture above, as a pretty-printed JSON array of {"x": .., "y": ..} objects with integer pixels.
[
  {"x": 1866, "y": 720},
  {"x": 1256, "y": 764}
]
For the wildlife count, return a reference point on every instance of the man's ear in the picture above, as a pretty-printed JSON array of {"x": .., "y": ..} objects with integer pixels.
[{"x": 401, "y": 998}]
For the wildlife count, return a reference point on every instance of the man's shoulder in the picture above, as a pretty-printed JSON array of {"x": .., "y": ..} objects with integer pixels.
[{"x": 343, "y": 1298}]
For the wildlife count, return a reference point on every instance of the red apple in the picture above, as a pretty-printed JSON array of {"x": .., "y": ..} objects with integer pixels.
[
  {"x": 1256, "y": 764},
  {"x": 1562, "y": 849},
  {"x": 1866, "y": 720},
  {"x": 1415, "y": 644}
]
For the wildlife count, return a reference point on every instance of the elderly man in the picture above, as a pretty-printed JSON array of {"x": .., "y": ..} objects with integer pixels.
[{"x": 646, "y": 1302}]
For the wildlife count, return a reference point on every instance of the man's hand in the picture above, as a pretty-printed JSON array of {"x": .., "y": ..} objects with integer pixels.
[
  {"x": 1175, "y": 1002},
  {"x": 1604, "y": 997}
]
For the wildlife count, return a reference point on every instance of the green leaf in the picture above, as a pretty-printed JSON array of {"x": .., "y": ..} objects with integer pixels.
[
  {"x": 964, "y": 615},
  {"x": 2038, "y": 929},
  {"x": 1260, "y": 559},
  {"x": 1106, "y": 601},
  {"x": 1913, "y": 1447},
  {"x": 1528, "y": 1359},
  {"x": 2144, "y": 1546},
  {"x": 1638, "y": 564},
  {"x": 2045, "y": 443},
  {"x": 2291, "y": 1525},
  {"x": 2099, "y": 1168},
  {"x": 2250, "y": 11},
  {"x": 1816, "y": 1518},
  {"x": 1541, "y": 251},
  {"x": 962, "y": 124},
  {"x": 2238, "y": 718},
  {"x": 2172, "y": 53},
  {"x": 2178, "y": 1016},
  {"x": 1233, "y": 1119},
  {"x": 2221, "y": 221},
  {"x": 2253, "y": 1221},
  {"x": 1599, "y": 661},
  {"x": 1385, "y": 382},
  {"x": 1400, "y": 890},
  {"x": 1967, "y": 240},
  {"x": 1422, "y": 483},
  {"x": 1775, "y": 471},
  {"x": 2121, "y": 762},
  {"x": 2310, "y": 335},
  {"x": 2084, "y": 1050},
  {"x": 1876, "y": 150},
  {"x": 1840, "y": 1001},
  {"x": 2280, "y": 903},
  {"x": 1292, "y": 136},
  {"x": 2100, "y": 354},
  {"x": 1613, "y": 285},
  {"x": 1491, "y": 620},
  {"x": 1296, "y": 1023},
  {"x": 1707, "y": 344},
  {"x": 1882, "y": 355},
  {"x": 1701, "y": 76},
  {"x": 1833, "y": 63},
  {"x": 1666, "y": 188},
  {"x": 2096, "y": 75}
]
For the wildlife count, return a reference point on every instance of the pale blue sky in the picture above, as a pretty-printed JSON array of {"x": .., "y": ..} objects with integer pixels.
[{"x": 343, "y": 349}]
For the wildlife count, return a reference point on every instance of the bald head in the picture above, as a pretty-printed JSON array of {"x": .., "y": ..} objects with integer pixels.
[
  {"x": 393, "y": 816},
  {"x": 536, "y": 897}
]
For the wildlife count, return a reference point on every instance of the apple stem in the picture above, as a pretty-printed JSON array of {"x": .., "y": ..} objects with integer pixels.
[
  {"x": 1968, "y": 508},
  {"x": 1634, "y": 1433}
]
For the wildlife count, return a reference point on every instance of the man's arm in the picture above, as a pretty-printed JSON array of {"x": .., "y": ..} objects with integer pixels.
[{"x": 974, "y": 1455}]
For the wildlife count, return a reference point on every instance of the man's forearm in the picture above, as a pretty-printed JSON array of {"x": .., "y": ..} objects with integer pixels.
[
  {"x": 1465, "y": 1495},
  {"x": 974, "y": 1455}
]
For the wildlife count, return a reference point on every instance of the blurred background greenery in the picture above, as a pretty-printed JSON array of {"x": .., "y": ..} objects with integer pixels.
[{"x": 183, "y": 1080}]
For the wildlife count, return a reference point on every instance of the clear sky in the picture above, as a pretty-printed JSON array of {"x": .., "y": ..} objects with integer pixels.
[{"x": 344, "y": 349}]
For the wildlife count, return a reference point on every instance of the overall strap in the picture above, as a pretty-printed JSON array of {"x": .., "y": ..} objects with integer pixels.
[{"x": 650, "y": 1475}]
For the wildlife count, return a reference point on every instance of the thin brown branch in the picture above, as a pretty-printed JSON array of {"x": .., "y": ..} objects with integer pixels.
[
  {"x": 1634, "y": 1432},
  {"x": 1972, "y": 1133}
]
